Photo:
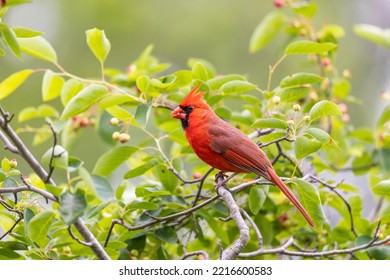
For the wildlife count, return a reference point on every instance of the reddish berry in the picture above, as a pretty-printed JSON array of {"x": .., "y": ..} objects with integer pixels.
[
  {"x": 278, "y": 3},
  {"x": 197, "y": 175}
]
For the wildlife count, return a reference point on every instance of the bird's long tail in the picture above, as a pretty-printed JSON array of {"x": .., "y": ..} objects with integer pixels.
[{"x": 287, "y": 192}]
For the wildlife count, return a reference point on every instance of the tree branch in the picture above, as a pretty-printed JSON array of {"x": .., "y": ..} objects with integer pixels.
[{"x": 235, "y": 249}]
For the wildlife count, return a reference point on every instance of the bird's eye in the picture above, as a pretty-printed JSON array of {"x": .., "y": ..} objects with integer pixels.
[{"x": 190, "y": 108}]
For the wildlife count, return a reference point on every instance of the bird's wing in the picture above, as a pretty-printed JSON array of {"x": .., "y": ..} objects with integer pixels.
[{"x": 234, "y": 146}]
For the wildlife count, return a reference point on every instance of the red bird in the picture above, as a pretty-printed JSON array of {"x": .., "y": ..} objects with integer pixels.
[{"x": 223, "y": 146}]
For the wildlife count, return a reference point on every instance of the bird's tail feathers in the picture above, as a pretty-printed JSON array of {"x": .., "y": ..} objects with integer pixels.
[{"x": 287, "y": 192}]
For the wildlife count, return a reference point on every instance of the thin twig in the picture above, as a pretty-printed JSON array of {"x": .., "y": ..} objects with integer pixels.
[
  {"x": 53, "y": 155},
  {"x": 334, "y": 189},
  {"x": 255, "y": 228},
  {"x": 195, "y": 253},
  {"x": 78, "y": 239},
  {"x": 11, "y": 209},
  {"x": 283, "y": 250}
]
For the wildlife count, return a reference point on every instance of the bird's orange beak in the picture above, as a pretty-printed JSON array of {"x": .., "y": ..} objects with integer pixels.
[{"x": 178, "y": 113}]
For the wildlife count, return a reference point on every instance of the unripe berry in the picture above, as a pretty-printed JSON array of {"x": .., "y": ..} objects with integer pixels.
[
  {"x": 13, "y": 163},
  {"x": 276, "y": 100},
  {"x": 114, "y": 121},
  {"x": 296, "y": 107},
  {"x": 306, "y": 118},
  {"x": 347, "y": 73},
  {"x": 124, "y": 137},
  {"x": 116, "y": 135}
]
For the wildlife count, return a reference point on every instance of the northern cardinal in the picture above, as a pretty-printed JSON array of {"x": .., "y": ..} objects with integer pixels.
[{"x": 223, "y": 146}]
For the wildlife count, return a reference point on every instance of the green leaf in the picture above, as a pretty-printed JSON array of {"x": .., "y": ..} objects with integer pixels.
[
  {"x": 120, "y": 113},
  {"x": 383, "y": 119},
  {"x": 84, "y": 100},
  {"x": 141, "y": 205},
  {"x": 382, "y": 188},
  {"x": 299, "y": 79},
  {"x": 51, "y": 85},
  {"x": 141, "y": 169},
  {"x": 74, "y": 163},
  {"x": 257, "y": 196},
  {"x": 207, "y": 65},
  {"x": 291, "y": 94},
  {"x": 8, "y": 254},
  {"x": 166, "y": 234},
  {"x": 308, "y": 47},
  {"x": 320, "y": 135},
  {"x": 39, "y": 226},
  {"x": 2, "y": 53},
  {"x": 10, "y": 39},
  {"x": 72, "y": 206},
  {"x": 116, "y": 99},
  {"x": 270, "y": 123},
  {"x": 217, "y": 82},
  {"x": 234, "y": 87},
  {"x": 102, "y": 187},
  {"x": 143, "y": 83},
  {"x": 341, "y": 88},
  {"x": 5, "y": 165},
  {"x": 373, "y": 34},
  {"x": 111, "y": 160},
  {"x": 323, "y": 108},
  {"x": 22, "y": 32},
  {"x": 142, "y": 114},
  {"x": 305, "y": 146},
  {"x": 59, "y": 155},
  {"x": 223, "y": 113},
  {"x": 168, "y": 180},
  {"x": 70, "y": 88},
  {"x": 12, "y": 82},
  {"x": 310, "y": 200},
  {"x": 43, "y": 110},
  {"x": 98, "y": 43},
  {"x": 38, "y": 47},
  {"x": 266, "y": 31},
  {"x": 199, "y": 71},
  {"x": 306, "y": 9},
  {"x": 148, "y": 191}
]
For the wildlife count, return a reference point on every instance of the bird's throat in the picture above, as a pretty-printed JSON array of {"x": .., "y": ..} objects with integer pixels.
[{"x": 184, "y": 122}]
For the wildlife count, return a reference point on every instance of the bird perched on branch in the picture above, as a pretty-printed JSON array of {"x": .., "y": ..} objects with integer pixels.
[{"x": 223, "y": 146}]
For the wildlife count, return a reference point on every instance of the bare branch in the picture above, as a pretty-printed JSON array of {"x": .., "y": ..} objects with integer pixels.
[
  {"x": 30, "y": 188},
  {"x": 8, "y": 145},
  {"x": 235, "y": 249}
]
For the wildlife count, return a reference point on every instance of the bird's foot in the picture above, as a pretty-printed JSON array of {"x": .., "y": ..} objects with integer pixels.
[{"x": 220, "y": 180}]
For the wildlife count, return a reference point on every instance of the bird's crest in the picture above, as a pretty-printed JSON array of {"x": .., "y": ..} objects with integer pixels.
[{"x": 194, "y": 97}]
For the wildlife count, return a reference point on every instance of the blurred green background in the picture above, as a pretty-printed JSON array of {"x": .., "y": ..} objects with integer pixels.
[{"x": 218, "y": 31}]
